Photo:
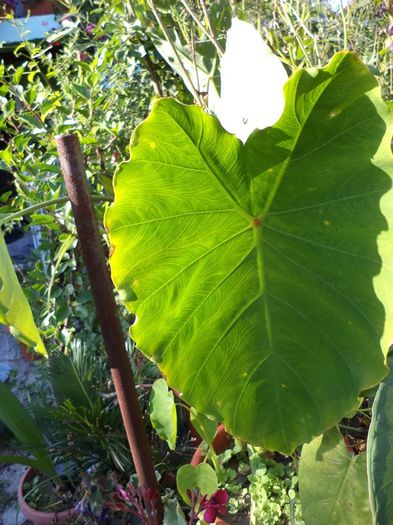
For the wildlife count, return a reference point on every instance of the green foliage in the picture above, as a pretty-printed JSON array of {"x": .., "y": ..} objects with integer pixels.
[
  {"x": 101, "y": 84},
  {"x": 263, "y": 485},
  {"x": 15, "y": 311},
  {"x": 18, "y": 419},
  {"x": 84, "y": 424},
  {"x": 219, "y": 249},
  {"x": 379, "y": 452},
  {"x": 201, "y": 477},
  {"x": 317, "y": 31},
  {"x": 95, "y": 83},
  {"x": 333, "y": 483},
  {"x": 163, "y": 413},
  {"x": 273, "y": 492}
]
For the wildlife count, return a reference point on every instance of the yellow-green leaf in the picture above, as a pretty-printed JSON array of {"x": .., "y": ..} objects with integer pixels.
[{"x": 15, "y": 311}]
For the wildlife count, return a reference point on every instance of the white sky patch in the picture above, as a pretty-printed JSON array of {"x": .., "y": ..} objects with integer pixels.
[
  {"x": 335, "y": 4},
  {"x": 252, "y": 81}
]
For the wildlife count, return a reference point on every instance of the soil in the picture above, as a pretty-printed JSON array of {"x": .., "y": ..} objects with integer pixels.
[
  {"x": 238, "y": 519},
  {"x": 41, "y": 494},
  {"x": 355, "y": 430}
]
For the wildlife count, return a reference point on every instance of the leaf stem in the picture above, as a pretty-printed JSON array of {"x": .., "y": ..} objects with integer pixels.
[
  {"x": 214, "y": 458},
  {"x": 344, "y": 21}
]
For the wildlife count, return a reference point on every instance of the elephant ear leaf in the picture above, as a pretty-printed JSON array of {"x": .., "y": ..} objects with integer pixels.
[
  {"x": 340, "y": 496},
  {"x": 15, "y": 311},
  {"x": 259, "y": 273},
  {"x": 380, "y": 451}
]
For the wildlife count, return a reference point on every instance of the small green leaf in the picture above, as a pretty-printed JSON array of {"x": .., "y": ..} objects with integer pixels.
[
  {"x": 205, "y": 426},
  {"x": 17, "y": 75},
  {"x": 83, "y": 91},
  {"x": 43, "y": 219},
  {"x": 163, "y": 412},
  {"x": 202, "y": 477},
  {"x": 6, "y": 154},
  {"x": 333, "y": 483},
  {"x": 173, "y": 515}
]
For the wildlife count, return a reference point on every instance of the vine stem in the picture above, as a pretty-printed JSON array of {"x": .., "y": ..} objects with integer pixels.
[{"x": 47, "y": 204}]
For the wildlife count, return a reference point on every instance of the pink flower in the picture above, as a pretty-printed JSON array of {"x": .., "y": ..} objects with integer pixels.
[
  {"x": 215, "y": 505},
  {"x": 90, "y": 29},
  {"x": 124, "y": 494}
]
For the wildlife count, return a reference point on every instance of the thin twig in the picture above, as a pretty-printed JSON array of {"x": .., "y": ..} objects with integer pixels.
[
  {"x": 285, "y": 16},
  {"x": 344, "y": 21},
  {"x": 153, "y": 74},
  {"x": 194, "y": 59},
  {"x": 176, "y": 53},
  {"x": 210, "y": 36},
  {"x": 209, "y": 22},
  {"x": 308, "y": 32}
]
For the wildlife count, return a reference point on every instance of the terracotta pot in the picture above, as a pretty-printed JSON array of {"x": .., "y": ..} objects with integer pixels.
[
  {"x": 221, "y": 442},
  {"x": 38, "y": 8},
  {"x": 36, "y": 516},
  {"x": 221, "y": 521},
  {"x": 30, "y": 355}
]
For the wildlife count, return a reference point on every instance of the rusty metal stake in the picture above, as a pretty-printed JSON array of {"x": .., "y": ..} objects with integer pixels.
[{"x": 72, "y": 165}]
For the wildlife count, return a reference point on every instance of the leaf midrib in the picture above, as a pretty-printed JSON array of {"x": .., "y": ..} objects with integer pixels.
[
  {"x": 350, "y": 466},
  {"x": 229, "y": 194},
  {"x": 262, "y": 216}
]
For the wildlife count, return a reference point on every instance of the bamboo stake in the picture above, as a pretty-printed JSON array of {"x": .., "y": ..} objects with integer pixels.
[{"x": 72, "y": 164}]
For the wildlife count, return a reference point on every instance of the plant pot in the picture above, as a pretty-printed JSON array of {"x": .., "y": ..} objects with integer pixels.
[
  {"x": 222, "y": 440},
  {"x": 221, "y": 521},
  {"x": 39, "y": 8},
  {"x": 36, "y": 516},
  {"x": 29, "y": 355}
]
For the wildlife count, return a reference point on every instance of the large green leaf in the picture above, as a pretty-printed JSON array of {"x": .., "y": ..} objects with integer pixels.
[
  {"x": 14, "y": 309},
  {"x": 380, "y": 452},
  {"x": 333, "y": 483},
  {"x": 258, "y": 273}
]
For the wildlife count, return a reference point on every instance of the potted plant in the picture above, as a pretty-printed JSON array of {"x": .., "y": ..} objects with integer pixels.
[
  {"x": 49, "y": 431},
  {"x": 40, "y": 517},
  {"x": 18, "y": 419}
]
